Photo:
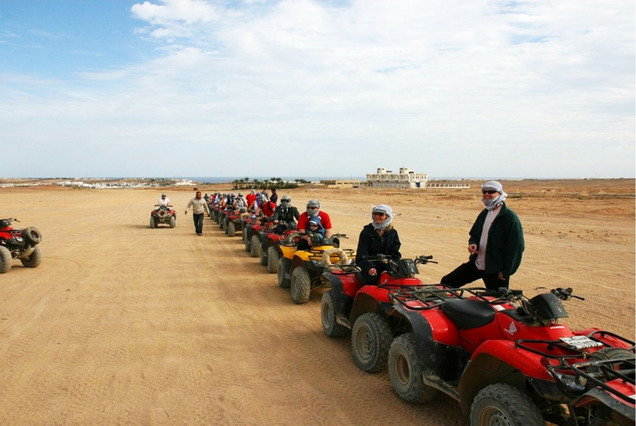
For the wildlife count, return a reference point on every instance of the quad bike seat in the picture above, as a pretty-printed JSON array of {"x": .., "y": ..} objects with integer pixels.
[{"x": 468, "y": 313}]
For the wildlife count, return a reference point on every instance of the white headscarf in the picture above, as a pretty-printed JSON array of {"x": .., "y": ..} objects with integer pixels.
[
  {"x": 493, "y": 203},
  {"x": 382, "y": 208}
]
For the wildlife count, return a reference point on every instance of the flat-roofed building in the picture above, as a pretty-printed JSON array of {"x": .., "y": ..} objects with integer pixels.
[
  {"x": 405, "y": 178},
  {"x": 340, "y": 183}
]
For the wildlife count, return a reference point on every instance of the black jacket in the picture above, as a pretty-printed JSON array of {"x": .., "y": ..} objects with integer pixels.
[
  {"x": 370, "y": 243},
  {"x": 289, "y": 214}
]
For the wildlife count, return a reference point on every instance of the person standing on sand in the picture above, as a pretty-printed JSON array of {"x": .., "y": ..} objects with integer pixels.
[
  {"x": 199, "y": 206},
  {"x": 495, "y": 244}
]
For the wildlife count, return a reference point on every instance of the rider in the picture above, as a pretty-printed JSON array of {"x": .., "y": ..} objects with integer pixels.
[
  {"x": 313, "y": 209},
  {"x": 378, "y": 237},
  {"x": 285, "y": 213},
  {"x": 266, "y": 207},
  {"x": 164, "y": 201},
  {"x": 240, "y": 203}
]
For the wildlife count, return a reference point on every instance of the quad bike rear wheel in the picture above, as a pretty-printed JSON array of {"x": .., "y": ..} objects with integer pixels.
[
  {"x": 371, "y": 339},
  {"x": 405, "y": 371},
  {"x": 300, "y": 285},
  {"x": 283, "y": 281},
  {"x": 32, "y": 235},
  {"x": 328, "y": 315},
  {"x": 34, "y": 259},
  {"x": 5, "y": 260},
  {"x": 502, "y": 404},
  {"x": 255, "y": 246},
  {"x": 272, "y": 259},
  {"x": 246, "y": 241},
  {"x": 231, "y": 229}
]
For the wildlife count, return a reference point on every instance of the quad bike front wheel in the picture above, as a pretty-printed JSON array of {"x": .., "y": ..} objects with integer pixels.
[
  {"x": 371, "y": 339},
  {"x": 34, "y": 259},
  {"x": 173, "y": 222},
  {"x": 262, "y": 256},
  {"x": 405, "y": 371},
  {"x": 300, "y": 285},
  {"x": 328, "y": 316},
  {"x": 231, "y": 229},
  {"x": 283, "y": 281},
  {"x": 272, "y": 259},
  {"x": 502, "y": 404},
  {"x": 153, "y": 222},
  {"x": 5, "y": 260}
]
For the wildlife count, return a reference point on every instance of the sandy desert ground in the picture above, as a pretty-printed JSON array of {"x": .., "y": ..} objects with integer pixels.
[{"x": 123, "y": 324}]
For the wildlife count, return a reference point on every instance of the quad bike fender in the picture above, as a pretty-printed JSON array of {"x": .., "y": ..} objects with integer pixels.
[
  {"x": 342, "y": 301},
  {"x": 288, "y": 251},
  {"x": 499, "y": 361},
  {"x": 622, "y": 412},
  {"x": 362, "y": 304}
]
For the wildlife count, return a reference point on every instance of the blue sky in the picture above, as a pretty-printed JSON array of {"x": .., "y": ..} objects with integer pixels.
[{"x": 491, "y": 89}]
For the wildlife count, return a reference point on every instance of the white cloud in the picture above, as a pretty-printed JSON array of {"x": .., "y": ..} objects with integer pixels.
[{"x": 437, "y": 86}]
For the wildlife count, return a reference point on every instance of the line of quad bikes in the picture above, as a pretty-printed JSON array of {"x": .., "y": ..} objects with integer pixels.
[{"x": 503, "y": 356}]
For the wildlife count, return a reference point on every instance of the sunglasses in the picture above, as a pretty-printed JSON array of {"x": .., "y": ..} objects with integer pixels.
[
  {"x": 488, "y": 191},
  {"x": 312, "y": 208}
]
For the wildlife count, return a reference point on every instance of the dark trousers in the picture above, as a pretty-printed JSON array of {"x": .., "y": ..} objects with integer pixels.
[
  {"x": 198, "y": 222},
  {"x": 468, "y": 272}
]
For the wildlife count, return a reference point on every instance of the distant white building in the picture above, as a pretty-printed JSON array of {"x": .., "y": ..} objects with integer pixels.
[{"x": 405, "y": 178}]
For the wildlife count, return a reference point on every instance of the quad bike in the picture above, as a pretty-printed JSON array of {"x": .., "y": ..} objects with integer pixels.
[
  {"x": 271, "y": 238},
  {"x": 252, "y": 236},
  {"x": 214, "y": 211},
  {"x": 20, "y": 244},
  {"x": 366, "y": 310},
  {"x": 506, "y": 358},
  {"x": 163, "y": 214},
  {"x": 301, "y": 269},
  {"x": 222, "y": 216},
  {"x": 234, "y": 221},
  {"x": 246, "y": 231}
]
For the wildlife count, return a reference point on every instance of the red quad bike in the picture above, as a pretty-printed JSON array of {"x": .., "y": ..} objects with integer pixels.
[
  {"x": 367, "y": 310},
  {"x": 234, "y": 221},
  {"x": 20, "y": 244},
  {"x": 253, "y": 235},
  {"x": 163, "y": 215},
  {"x": 221, "y": 217},
  {"x": 246, "y": 231},
  {"x": 506, "y": 358}
]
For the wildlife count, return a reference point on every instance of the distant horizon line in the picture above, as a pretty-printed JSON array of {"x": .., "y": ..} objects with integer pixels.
[{"x": 230, "y": 179}]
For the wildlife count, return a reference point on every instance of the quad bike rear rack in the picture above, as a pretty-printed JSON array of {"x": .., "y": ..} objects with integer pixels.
[
  {"x": 431, "y": 296},
  {"x": 595, "y": 372}
]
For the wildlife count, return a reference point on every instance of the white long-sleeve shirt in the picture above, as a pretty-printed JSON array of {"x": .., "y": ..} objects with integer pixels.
[{"x": 198, "y": 206}]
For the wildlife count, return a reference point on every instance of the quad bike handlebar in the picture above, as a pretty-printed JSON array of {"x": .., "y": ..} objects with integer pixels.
[{"x": 565, "y": 293}]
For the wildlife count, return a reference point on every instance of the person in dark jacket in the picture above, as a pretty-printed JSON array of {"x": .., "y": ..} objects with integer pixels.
[
  {"x": 495, "y": 244},
  {"x": 378, "y": 237},
  {"x": 285, "y": 213}
]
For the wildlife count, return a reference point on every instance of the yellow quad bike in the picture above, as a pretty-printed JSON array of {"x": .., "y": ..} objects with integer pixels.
[{"x": 302, "y": 269}]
